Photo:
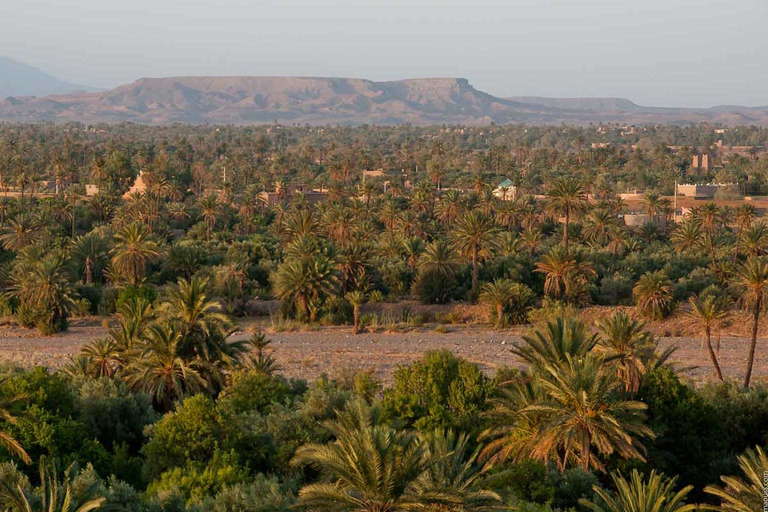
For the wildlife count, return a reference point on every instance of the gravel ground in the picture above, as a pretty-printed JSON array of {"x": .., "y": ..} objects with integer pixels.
[{"x": 334, "y": 350}]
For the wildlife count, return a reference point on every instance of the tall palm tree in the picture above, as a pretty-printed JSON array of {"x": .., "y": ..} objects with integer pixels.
[
  {"x": 656, "y": 494},
  {"x": 652, "y": 202},
  {"x": 439, "y": 257},
  {"x": 20, "y": 232},
  {"x": 745, "y": 494},
  {"x": 209, "y": 208},
  {"x": 627, "y": 344},
  {"x": 753, "y": 241},
  {"x": 474, "y": 235},
  {"x": 653, "y": 294},
  {"x": 687, "y": 236},
  {"x": 708, "y": 312},
  {"x": 369, "y": 467},
  {"x": 134, "y": 249},
  {"x": 559, "y": 267},
  {"x": 597, "y": 225},
  {"x": 54, "y": 495},
  {"x": 566, "y": 197},
  {"x": 753, "y": 276}
]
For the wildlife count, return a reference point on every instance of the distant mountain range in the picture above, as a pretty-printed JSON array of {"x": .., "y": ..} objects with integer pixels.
[
  {"x": 254, "y": 100},
  {"x": 19, "y": 79}
]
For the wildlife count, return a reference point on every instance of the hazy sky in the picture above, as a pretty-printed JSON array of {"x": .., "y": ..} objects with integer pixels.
[{"x": 655, "y": 52}]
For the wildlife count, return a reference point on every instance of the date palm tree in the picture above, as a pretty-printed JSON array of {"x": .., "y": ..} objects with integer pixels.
[
  {"x": 201, "y": 325},
  {"x": 559, "y": 267},
  {"x": 687, "y": 236},
  {"x": 753, "y": 276},
  {"x": 707, "y": 312},
  {"x": 626, "y": 344},
  {"x": 161, "y": 370},
  {"x": 369, "y": 467},
  {"x": 20, "y": 232},
  {"x": 531, "y": 239},
  {"x": 753, "y": 241},
  {"x": 656, "y": 494},
  {"x": 597, "y": 224},
  {"x": 439, "y": 257},
  {"x": 581, "y": 417},
  {"x": 653, "y": 294},
  {"x": 134, "y": 249},
  {"x": 43, "y": 287},
  {"x": 474, "y": 234},
  {"x": 452, "y": 480},
  {"x": 566, "y": 197},
  {"x": 305, "y": 280},
  {"x": 745, "y": 494},
  {"x": 498, "y": 294},
  {"x": 262, "y": 361},
  {"x": 560, "y": 339},
  {"x": 209, "y": 208},
  {"x": 356, "y": 298},
  {"x": 104, "y": 357}
]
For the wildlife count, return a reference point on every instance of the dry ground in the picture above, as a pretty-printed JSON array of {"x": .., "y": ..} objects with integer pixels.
[{"x": 335, "y": 350}]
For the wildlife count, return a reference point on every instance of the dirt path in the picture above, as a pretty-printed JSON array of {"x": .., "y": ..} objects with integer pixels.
[{"x": 333, "y": 350}]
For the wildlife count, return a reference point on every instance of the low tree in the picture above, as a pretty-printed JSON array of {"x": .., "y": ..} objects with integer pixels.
[
  {"x": 653, "y": 294},
  {"x": 369, "y": 467}
]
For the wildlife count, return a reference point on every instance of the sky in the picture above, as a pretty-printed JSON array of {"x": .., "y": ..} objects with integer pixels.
[{"x": 689, "y": 53}]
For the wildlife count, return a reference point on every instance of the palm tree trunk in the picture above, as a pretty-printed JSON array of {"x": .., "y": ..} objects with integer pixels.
[
  {"x": 565, "y": 227},
  {"x": 712, "y": 355},
  {"x": 356, "y": 315},
  {"x": 751, "y": 355},
  {"x": 474, "y": 270}
]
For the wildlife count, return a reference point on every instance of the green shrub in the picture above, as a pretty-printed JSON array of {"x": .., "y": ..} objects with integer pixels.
[
  {"x": 440, "y": 390},
  {"x": 432, "y": 287},
  {"x": 252, "y": 391},
  {"x": 197, "y": 480},
  {"x": 130, "y": 294},
  {"x": 260, "y": 494}
]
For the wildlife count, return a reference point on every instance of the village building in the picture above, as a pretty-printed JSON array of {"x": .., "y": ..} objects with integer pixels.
[
  {"x": 138, "y": 187},
  {"x": 506, "y": 191},
  {"x": 284, "y": 193},
  {"x": 702, "y": 162}
]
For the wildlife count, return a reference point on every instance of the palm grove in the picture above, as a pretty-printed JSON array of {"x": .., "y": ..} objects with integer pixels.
[{"x": 168, "y": 413}]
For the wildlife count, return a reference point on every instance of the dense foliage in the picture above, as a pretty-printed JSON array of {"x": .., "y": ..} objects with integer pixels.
[{"x": 168, "y": 412}]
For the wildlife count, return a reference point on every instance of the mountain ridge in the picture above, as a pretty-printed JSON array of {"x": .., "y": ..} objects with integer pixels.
[{"x": 243, "y": 100}]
